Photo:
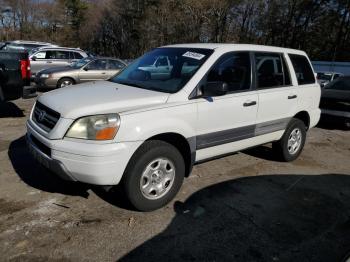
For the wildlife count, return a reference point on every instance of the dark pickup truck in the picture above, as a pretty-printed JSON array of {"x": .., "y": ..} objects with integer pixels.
[{"x": 14, "y": 74}]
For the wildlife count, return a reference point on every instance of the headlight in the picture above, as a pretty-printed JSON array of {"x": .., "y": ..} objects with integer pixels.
[
  {"x": 45, "y": 75},
  {"x": 99, "y": 127}
]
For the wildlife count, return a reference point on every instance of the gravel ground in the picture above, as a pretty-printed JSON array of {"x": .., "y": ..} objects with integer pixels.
[{"x": 244, "y": 207}]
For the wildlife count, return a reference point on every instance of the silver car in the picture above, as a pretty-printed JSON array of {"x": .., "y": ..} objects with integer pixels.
[
  {"x": 47, "y": 57},
  {"x": 84, "y": 70}
]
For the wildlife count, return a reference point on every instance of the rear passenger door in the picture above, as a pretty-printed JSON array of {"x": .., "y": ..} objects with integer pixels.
[
  {"x": 58, "y": 58},
  {"x": 39, "y": 62},
  {"x": 278, "y": 97},
  {"x": 114, "y": 66}
]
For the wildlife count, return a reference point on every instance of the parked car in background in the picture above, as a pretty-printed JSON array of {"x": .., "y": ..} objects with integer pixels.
[
  {"x": 84, "y": 70},
  {"x": 145, "y": 129},
  {"x": 323, "y": 78},
  {"x": 47, "y": 57},
  {"x": 21, "y": 45},
  {"x": 335, "y": 100},
  {"x": 128, "y": 61}
]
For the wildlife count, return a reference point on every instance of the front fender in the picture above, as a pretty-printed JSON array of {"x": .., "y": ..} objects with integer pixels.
[{"x": 140, "y": 126}]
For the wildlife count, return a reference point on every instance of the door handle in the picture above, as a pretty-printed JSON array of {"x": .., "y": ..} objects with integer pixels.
[
  {"x": 292, "y": 97},
  {"x": 103, "y": 73},
  {"x": 252, "y": 103},
  {"x": 49, "y": 62}
]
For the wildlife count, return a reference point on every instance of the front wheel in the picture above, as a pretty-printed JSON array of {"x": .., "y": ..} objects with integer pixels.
[
  {"x": 290, "y": 146},
  {"x": 65, "y": 82},
  {"x": 154, "y": 175}
]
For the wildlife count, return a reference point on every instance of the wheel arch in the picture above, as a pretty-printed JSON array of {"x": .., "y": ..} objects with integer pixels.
[
  {"x": 303, "y": 116},
  {"x": 68, "y": 77},
  {"x": 185, "y": 146}
]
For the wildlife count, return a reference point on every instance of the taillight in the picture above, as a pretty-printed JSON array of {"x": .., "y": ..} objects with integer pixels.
[{"x": 25, "y": 68}]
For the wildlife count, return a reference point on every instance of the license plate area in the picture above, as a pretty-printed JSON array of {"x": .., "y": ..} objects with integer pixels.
[{"x": 39, "y": 157}]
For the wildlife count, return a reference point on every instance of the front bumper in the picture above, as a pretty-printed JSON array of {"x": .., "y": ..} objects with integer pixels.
[
  {"x": 45, "y": 82},
  {"x": 75, "y": 160},
  {"x": 54, "y": 165}
]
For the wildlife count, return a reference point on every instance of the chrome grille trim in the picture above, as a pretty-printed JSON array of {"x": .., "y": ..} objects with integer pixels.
[{"x": 45, "y": 117}]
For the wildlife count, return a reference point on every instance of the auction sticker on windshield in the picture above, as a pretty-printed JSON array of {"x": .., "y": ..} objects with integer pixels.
[{"x": 193, "y": 55}]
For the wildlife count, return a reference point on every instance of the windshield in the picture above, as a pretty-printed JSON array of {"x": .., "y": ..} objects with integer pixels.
[
  {"x": 80, "y": 63},
  {"x": 164, "y": 69}
]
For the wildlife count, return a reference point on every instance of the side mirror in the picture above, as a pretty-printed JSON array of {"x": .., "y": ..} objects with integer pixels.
[
  {"x": 86, "y": 68},
  {"x": 34, "y": 58},
  {"x": 214, "y": 89}
]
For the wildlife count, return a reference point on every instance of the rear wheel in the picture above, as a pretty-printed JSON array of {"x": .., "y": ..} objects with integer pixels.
[
  {"x": 290, "y": 146},
  {"x": 154, "y": 175},
  {"x": 65, "y": 82}
]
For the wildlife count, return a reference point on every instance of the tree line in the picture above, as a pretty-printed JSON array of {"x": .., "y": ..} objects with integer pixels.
[{"x": 128, "y": 28}]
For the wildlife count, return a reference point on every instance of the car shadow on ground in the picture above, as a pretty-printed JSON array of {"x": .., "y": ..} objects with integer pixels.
[
  {"x": 263, "y": 152},
  {"x": 9, "y": 109},
  {"x": 263, "y": 218},
  {"x": 38, "y": 177}
]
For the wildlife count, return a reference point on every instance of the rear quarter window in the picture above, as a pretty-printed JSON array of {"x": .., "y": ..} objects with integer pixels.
[{"x": 302, "y": 69}]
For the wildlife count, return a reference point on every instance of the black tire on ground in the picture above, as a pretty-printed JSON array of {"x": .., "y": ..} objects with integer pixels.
[
  {"x": 143, "y": 157},
  {"x": 281, "y": 147},
  {"x": 65, "y": 79}
]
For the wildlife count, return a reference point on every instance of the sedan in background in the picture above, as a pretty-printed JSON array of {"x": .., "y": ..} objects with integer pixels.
[
  {"x": 335, "y": 100},
  {"x": 323, "y": 78},
  {"x": 84, "y": 70}
]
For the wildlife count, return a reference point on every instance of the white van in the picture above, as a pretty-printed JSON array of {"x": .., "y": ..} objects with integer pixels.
[{"x": 146, "y": 132}]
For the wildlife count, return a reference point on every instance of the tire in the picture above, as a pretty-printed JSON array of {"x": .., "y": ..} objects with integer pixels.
[
  {"x": 153, "y": 165},
  {"x": 63, "y": 82},
  {"x": 290, "y": 151}
]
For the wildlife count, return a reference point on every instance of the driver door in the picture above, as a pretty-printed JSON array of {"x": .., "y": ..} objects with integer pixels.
[{"x": 223, "y": 122}]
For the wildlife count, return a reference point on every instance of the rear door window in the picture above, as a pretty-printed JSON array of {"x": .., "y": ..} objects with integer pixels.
[
  {"x": 77, "y": 55},
  {"x": 271, "y": 70},
  {"x": 115, "y": 65},
  {"x": 99, "y": 64},
  {"x": 302, "y": 69},
  {"x": 62, "y": 55}
]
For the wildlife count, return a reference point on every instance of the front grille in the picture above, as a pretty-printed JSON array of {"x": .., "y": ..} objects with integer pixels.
[
  {"x": 45, "y": 117},
  {"x": 43, "y": 148}
]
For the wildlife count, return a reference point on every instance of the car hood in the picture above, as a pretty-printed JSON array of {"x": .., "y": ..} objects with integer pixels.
[
  {"x": 98, "y": 98},
  {"x": 58, "y": 69}
]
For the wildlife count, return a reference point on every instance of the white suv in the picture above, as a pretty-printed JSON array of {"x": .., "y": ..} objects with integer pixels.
[{"x": 145, "y": 129}]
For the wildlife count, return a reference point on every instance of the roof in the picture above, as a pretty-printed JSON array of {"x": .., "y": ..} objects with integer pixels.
[
  {"x": 29, "y": 42},
  {"x": 59, "y": 48},
  {"x": 233, "y": 47},
  {"x": 106, "y": 57}
]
